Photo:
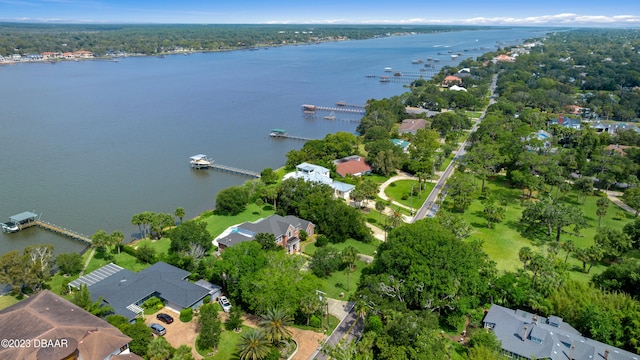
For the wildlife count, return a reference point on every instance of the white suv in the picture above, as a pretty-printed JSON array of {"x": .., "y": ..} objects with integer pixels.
[{"x": 224, "y": 303}]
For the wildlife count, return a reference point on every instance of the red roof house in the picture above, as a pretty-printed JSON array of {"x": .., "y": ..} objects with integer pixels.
[{"x": 352, "y": 165}]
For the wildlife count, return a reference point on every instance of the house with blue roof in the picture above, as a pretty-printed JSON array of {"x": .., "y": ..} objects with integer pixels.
[{"x": 403, "y": 144}]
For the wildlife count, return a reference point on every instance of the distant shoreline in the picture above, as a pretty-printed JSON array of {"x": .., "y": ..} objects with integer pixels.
[{"x": 185, "y": 53}]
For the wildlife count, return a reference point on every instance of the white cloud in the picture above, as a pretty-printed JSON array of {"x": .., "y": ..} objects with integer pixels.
[{"x": 565, "y": 19}]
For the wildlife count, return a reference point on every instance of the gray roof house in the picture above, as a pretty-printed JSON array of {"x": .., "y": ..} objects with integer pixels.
[
  {"x": 568, "y": 122},
  {"x": 286, "y": 230},
  {"x": 525, "y": 336},
  {"x": 126, "y": 291}
]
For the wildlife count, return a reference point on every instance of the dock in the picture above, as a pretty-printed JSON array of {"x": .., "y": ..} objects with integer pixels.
[
  {"x": 28, "y": 219},
  {"x": 283, "y": 134},
  {"x": 235, "y": 170},
  {"x": 202, "y": 161},
  {"x": 62, "y": 231},
  {"x": 344, "y": 109}
]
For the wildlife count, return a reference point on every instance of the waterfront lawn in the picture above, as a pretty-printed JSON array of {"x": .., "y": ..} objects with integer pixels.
[
  {"x": 56, "y": 283},
  {"x": 216, "y": 224},
  {"x": 397, "y": 189},
  {"x": 123, "y": 259},
  {"x": 363, "y": 248},
  {"x": 503, "y": 242},
  {"x": 161, "y": 246}
]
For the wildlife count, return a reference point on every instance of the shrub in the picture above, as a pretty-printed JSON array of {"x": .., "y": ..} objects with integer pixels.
[
  {"x": 186, "y": 314},
  {"x": 153, "y": 303},
  {"x": 322, "y": 241},
  {"x": 207, "y": 299},
  {"x": 315, "y": 321}
]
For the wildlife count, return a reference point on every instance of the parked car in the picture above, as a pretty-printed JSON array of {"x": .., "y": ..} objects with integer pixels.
[
  {"x": 224, "y": 303},
  {"x": 165, "y": 318},
  {"x": 158, "y": 329}
]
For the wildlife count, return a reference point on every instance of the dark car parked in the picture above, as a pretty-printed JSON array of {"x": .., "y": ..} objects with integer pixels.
[{"x": 165, "y": 318}]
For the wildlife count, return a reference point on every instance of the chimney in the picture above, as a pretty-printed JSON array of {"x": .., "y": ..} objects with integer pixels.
[
  {"x": 524, "y": 335},
  {"x": 560, "y": 119}
]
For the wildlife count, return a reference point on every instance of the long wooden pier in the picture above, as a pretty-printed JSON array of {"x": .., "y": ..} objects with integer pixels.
[
  {"x": 62, "y": 231},
  {"x": 293, "y": 137},
  {"x": 235, "y": 170},
  {"x": 344, "y": 109}
]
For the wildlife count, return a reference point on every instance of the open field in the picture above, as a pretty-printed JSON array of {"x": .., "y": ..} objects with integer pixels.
[
  {"x": 400, "y": 191},
  {"x": 503, "y": 242}
]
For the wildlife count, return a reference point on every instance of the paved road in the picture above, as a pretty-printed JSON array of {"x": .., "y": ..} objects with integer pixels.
[
  {"x": 430, "y": 207},
  {"x": 350, "y": 328}
]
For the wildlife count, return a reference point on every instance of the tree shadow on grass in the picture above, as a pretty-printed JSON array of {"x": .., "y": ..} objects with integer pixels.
[{"x": 537, "y": 236}]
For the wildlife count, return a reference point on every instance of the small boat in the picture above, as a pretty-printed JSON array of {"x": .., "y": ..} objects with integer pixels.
[
  {"x": 397, "y": 74},
  {"x": 387, "y": 69},
  {"x": 454, "y": 56},
  {"x": 10, "y": 227},
  {"x": 200, "y": 161},
  {"x": 331, "y": 116},
  {"x": 385, "y": 79}
]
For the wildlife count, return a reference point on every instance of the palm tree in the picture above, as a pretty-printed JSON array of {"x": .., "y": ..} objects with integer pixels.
[
  {"x": 180, "y": 213},
  {"x": 159, "y": 349},
  {"x": 275, "y": 322},
  {"x": 309, "y": 305},
  {"x": 116, "y": 238},
  {"x": 253, "y": 345},
  {"x": 349, "y": 256},
  {"x": 395, "y": 218}
]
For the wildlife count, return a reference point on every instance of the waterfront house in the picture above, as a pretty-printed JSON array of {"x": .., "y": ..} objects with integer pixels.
[
  {"x": 451, "y": 80},
  {"x": 322, "y": 175},
  {"x": 352, "y": 165},
  {"x": 126, "y": 291},
  {"x": 411, "y": 126},
  {"x": 58, "y": 329},
  {"x": 83, "y": 54},
  {"x": 286, "y": 230},
  {"x": 527, "y": 336}
]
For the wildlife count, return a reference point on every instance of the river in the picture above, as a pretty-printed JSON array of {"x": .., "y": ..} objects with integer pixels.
[{"x": 88, "y": 144}]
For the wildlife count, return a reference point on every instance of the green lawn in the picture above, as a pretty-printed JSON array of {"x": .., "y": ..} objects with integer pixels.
[
  {"x": 337, "y": 283},
  {"x": 363, "y": 248},
  {"x": 228, "y": 344},
  {"x": 503, "y": 242},
  {"x": 378, "y": 179},
  {"x": 397, "y": 189},
  {"x": 7, "y": 300},
  {"x": 123, "y": 259},
  {"x": 216, "y": 224},
  {"x": 161, "y": 246}
]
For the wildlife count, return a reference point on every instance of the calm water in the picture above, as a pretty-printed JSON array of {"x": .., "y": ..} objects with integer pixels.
[{"x": 88, "y": 144}]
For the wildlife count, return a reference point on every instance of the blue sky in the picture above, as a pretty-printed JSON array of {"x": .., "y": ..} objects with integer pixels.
[{"x": 609, "y": 13}]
